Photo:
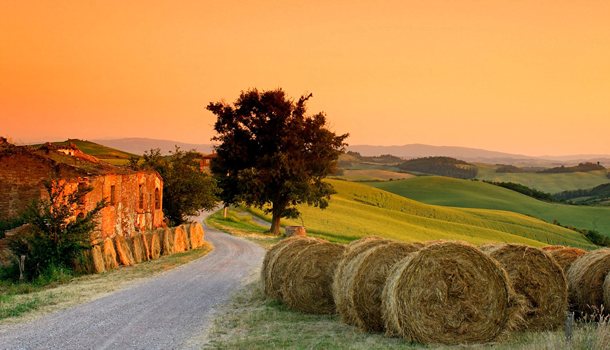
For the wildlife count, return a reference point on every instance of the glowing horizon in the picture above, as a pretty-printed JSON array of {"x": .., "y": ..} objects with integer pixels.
[{"x": 514, "y": 77}]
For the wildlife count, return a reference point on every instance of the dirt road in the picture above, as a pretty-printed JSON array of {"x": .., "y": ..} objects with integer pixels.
[{"x": 169, "y": 311}]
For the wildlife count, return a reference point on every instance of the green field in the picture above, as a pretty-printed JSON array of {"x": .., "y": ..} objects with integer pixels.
[
  {"x": 373, "y": 174},
  {"x": 450, "y": 192},
  {"x": 550, "y": 183},
  {"x": 359, "y": 210}
]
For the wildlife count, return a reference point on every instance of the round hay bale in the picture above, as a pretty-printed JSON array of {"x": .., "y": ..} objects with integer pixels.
[
  {"x": 180, "y": 245},
  {"x": 109, "y": 254},
  {"x": 186, "y": 228},
  {"x": 550, "y": 248},
  {"x": 197, "y": 235},
  {"x": 536, "y": 276},
  {"x": 449, "y": 293},
  {"x": 98, "y": 259},
  {"x": 144, "y": 243},
  {"x": 309, "y": 278},
  {"x": 586, "y": 278},
  {"x": 429, "y": 243},
  {"x": 137, "y": 251},
  {"x": 344, "y": 276},
  {"x": 124, "y": 255},
  {"x": 606, "y": 289},
  {"x": 154, "y": 244},
  {"x": 566, "y": 256},
  {"x": 167, "y": 241},
  {"x": 369, "y": 279},
  {"x": 280, "y": 256}
]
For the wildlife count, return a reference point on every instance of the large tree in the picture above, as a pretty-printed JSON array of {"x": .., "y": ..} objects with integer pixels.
[{"x": 271, "y": 153}]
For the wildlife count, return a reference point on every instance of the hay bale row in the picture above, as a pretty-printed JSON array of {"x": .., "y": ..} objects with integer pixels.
[
  {"x": 344, "y": 276},
  {"x": 449, "y": 293},
  {"x": 586, "y": 277},
  {"x": 140, "y": 247},
  {"x": 197, "y": 235},
  {"x": 276, "y": 271},
  {"x": 537, "y": 277},
  {"x": 309, "y": 278},
  {"x": 180, "y": 243},
  {"x": 124, "y": 255},
  {"x": 565, "y": 256},
  {"x": 369, "y": 279}
]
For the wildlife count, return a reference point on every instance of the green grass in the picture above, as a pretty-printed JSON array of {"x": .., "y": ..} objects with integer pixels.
[
  {"x": 450, "y": 192},
  {"x": 373, "y": 174},
  {"x": 359, "y": 210},
  {"x": 104, "y": 153},
  {"x": 238, "y": 224},
  {"x": 551, "y": 183}
]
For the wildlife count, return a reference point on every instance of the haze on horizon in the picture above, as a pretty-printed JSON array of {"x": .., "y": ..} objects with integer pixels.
[{"x": 518, "y": 77}]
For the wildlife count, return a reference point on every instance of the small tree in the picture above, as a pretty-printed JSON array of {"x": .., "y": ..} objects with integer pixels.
[
  {"x": 56, "y": 235},
  {"x": 270, "y": 152},
  {"x": 186, "y": 189}
]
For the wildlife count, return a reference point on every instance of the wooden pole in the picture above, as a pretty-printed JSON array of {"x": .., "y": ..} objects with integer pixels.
[{"x": 569, "y": 325}]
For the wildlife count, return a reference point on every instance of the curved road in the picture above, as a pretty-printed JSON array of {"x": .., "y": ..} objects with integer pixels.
[{"x": 168, "y": 311}]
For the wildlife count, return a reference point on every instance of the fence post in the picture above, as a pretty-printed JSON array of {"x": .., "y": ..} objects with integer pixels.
[
  {"x": 569, "y": 325},
  {"x": 21, "y": 267}
]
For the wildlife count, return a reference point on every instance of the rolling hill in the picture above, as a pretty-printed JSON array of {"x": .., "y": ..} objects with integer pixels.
[
  {"x": 450, "y": 192},
  {"x": 359, "y": 210},
  {"x": 101, "y": 152},
  {"x": 550, "y": 183},
  {"x": 139, "y": 145}
]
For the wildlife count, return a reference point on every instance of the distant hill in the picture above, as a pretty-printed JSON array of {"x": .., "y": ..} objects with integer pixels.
[
  {"x": 444, "y": 166},
  {"x": 477, "y": 155},
  {"x": 101, "y": 152},
  {"x": 140, "y": 145}
]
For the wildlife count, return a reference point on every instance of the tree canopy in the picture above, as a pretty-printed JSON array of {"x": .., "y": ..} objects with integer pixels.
[
  {"x": 186, "y": 189},
  {"x": 271, "y": 153}
]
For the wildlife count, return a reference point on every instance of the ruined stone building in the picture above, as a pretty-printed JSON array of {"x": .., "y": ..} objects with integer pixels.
[{"x": 135, "y": 196}]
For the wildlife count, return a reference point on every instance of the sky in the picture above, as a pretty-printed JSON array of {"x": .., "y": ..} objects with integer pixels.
[{"x": 526, "y": 77}]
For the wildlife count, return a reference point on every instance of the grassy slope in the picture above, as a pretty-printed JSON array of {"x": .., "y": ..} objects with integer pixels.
[
  {"x": 373, "y": 174},
  {"x": 360, "y": 210},
  {"x": 473, "y": 194},
  {"x": 551, "y": 183},
  {"x": 104, "y": 153}
]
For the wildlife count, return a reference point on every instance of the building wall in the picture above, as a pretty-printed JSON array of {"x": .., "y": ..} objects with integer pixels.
[{"x": 22, "y": 173}]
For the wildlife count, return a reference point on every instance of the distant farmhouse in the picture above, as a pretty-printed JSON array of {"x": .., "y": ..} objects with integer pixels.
[
  {"x": 135, "y": 196},
  {"x": 204, "y": 162}
]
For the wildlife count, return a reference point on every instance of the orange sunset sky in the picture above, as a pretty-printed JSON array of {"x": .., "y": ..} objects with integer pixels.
[{"x": 528, "y": 77}]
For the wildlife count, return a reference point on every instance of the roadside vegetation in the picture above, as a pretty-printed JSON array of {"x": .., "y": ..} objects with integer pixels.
[{"x": 60, "y": 288}]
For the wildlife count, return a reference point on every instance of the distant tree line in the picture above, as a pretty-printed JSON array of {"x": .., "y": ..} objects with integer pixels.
[
  {"x": 592, "y": 235},
  {"x": 515, "y": 169},
  {"x": 531, "y": 192},
  {"x": 443, "y": 166},
  {"x": 384, "y": 158},
  {"x": 599, "y": 192},
  {"x": 608, "y": 175},
  {"x": 582, "y": 167}
]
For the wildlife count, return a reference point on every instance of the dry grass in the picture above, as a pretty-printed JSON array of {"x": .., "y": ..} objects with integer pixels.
[
  {"x": 255, "y": 321},
  {"x": 89, "y": 287}
]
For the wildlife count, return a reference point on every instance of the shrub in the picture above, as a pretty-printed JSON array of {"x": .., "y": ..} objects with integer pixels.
[{"x": 56, "y": 235}]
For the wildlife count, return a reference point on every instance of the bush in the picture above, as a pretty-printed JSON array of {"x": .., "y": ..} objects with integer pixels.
[{"x": 56, "y": 235}]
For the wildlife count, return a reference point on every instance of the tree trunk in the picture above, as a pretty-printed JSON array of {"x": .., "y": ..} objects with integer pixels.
[
  {"x": 276, "y": 212},
  {"x": 275, "y": 225}
]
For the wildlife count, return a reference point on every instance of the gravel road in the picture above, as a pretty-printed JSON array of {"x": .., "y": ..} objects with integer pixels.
[{"x": 169, "y": 311}]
